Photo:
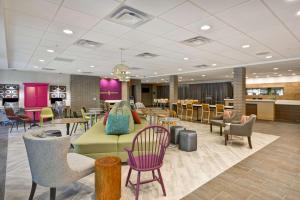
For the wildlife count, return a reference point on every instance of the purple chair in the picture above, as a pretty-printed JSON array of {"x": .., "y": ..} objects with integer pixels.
[{"x": 147, "y": 154}]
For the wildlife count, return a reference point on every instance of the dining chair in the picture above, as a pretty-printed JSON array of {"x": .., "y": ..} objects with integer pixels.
[
  {"x": 189, "y": 111},
  {"x": 46, "y": 113},
  {"x": 52, "y": 165},
  {"x": 205, "y": 111},
  {"x": 179, "y": 110},
  {"x": 147, "y": 155},
  {"x": 219, "y": 109},
  {"x": 15, "y": 119}
]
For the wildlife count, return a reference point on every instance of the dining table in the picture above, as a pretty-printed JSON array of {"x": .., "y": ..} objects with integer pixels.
[{"x": 69, "y": 121}]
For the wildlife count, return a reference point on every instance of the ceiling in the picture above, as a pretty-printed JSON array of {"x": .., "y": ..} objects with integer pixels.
[{"x": 34, "y": 26}]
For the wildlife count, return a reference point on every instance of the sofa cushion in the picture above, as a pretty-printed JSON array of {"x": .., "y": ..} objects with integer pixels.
[
  {"x": 117, "y": 124},
  {"x": 122, "y": 108},
  {"x": 136, "y": 117}
]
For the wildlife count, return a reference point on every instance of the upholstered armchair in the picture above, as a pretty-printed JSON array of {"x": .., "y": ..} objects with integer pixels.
[
  {"x": 51, "y": 165},
  {"x": 242, "y": 129},
  {"x": 227, "y": 117}
]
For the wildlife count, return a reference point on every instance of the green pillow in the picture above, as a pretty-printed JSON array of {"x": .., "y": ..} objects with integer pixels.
[{"x": 117, "y": 125}]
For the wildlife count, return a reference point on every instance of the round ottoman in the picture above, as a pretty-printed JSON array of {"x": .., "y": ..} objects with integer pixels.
[{"x": 188, "y": 140}]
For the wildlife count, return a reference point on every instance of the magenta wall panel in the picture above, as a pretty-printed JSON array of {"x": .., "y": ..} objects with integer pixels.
[
  {"x": 35, "y": 96},
  {"x": 110, "y": 89}
]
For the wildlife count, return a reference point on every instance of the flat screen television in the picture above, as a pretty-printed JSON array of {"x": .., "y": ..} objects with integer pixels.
[{"x": 145, "y": 90}]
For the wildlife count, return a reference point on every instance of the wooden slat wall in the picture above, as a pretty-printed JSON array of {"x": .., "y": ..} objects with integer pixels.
[
  {"x": 84, "y": 90},
  {"x": 291, "y": 90}
]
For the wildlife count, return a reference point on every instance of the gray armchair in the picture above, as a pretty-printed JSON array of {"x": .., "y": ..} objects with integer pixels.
[
  {"x": 51, "y": 165},
  {"x": 220, "y": 121},
  {"x": 244, "y": 129}
]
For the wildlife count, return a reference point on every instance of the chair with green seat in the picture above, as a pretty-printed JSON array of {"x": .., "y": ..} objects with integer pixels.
[
  {"x": 85, "y": 116},
  {"x": 46, "y": 113}
]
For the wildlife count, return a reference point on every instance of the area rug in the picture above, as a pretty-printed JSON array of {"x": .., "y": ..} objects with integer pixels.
[{"x": 183, "y": 172}]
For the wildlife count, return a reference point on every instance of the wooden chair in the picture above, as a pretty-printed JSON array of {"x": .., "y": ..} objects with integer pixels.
[
  {"x": 205, "y": 110},
  {"x": 189, "y": 111},
  {"x": 179, "y": 110},
  {"x": 219, "y": 109}
]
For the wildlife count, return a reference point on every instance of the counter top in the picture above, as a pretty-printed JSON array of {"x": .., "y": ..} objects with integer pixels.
[
  {"x": 260, "y": 100},
  {"x": 288, "y": 102}
]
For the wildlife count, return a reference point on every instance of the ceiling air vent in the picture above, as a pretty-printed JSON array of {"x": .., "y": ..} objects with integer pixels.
[
  {"x": 262, "y": 53},
  {"x": 129, "y": 16},
  {"x": 87, "y": 43},
  {"x": 196, "y": 41},
  {"x": 201, "y": 66},
  {"x": 61, "y": 59},
  {"x": 48, "y": 69},
  {"x": 147, "y": 55},
  {"x": 86, "y": 72},
  {"x": 135, "y": 68}
]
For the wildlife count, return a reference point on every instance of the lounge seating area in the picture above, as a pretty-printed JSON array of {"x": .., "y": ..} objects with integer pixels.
[{"x": 143, "y": 100}]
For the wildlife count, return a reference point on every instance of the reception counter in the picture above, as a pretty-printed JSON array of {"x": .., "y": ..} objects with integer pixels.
[{"x": 268, "y": 109}]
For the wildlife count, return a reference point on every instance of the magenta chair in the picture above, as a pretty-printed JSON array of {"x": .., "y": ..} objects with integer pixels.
[{"x": 147, "y": 154}]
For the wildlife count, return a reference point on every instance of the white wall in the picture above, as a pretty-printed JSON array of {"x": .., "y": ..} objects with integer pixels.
[
  {"x": 20, "y": 77},
  {"x": 281, "y": 79}
]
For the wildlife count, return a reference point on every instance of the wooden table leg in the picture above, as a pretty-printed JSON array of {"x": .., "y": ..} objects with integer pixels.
[{"x": 68, "y": 128}]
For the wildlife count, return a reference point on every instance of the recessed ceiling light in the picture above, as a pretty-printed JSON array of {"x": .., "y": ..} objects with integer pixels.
[
  {"x": 205, "y": 27},
  {"x": 290, "y": 70},
  {"x": 180, "y": 80},
  {"x": 68, "y": 31},
  {"x": 203, "y": 75},
  {"x": 179, "y": 69},
  {"x": 268, "y": 76},
  {"x": 214, "y": 64},
  {"x": 226, "y": 76},
  {"x": 192, "y": 79},
  {"x": 293, "y": 74},
  {"x": 180, "y": 77},
  {"x": 275, "y": 73},
  {"x": 41, "y": 60},
  {"x": 298, "y": 13},
  {"x": 245, "y": 46},
  {"x": 155, "y": 73},
  {"x": 279, "y": 74},
  {"x": 185, "y": 58},
  {"x": 268, "y": 57},
  {"x": 50, "y": 50},
  {"x": 36, "y": 67},
  {"x": 162, "y": 79},
  {"x": 254, "y": 73},
  {"x": 92, "y": 66},
  {"x": 79, "y": 70},
  {"x": 256, "y": 76},
  {"x": 246, "y": 76},
  {"x": 275, "y": 68}
]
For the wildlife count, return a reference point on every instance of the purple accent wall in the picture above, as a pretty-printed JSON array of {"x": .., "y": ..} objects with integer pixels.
[{"x": 110, "y": 89}]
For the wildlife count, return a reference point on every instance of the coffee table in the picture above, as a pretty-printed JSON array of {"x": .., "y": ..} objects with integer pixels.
[{"x": 68, "y": 121}]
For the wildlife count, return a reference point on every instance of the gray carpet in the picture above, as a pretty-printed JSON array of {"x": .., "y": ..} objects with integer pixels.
[{"x": 3, "y": 159}]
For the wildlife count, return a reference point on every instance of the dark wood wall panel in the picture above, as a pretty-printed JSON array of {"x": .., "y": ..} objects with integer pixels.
[
  {"x": 85, "y": 91},
  {"x": 288, "y": 113}
]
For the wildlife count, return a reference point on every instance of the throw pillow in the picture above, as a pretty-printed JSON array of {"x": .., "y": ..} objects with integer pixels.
[
  {"x": 244, "y": 119},
  {"x": 136, "y": 117},
  {"x": 117, "y": 125},
  {"x": 105, "y": 118},
  {"x": 227, "y": 114}
]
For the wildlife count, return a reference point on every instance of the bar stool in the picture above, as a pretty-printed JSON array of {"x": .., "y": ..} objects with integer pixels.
[
  {"x": 179, "y": 110},
  {"x": 219, "y": 109},
  {"x": 205, "y": 109},
  {"x": 189, "y": 111}
]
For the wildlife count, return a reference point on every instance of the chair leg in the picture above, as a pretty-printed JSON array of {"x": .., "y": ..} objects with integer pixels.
[
  {"x": 33, "y": 187},
  {"x": 249, "y": 141},
  {"x": 226, "y": 137},
  {"x": 220, "y": 130},
  {"x": 12, "y": 125},
  {"x": 153, "y": 174},
  {"x": 137, "y": 189},
  {"x": 211, "y": 127},
  {"x": 24, "y": 126},
  {"x": 17, "y": 123},
  {"x": 52, "y": 193},
  {"x": 161, "y": 182},
  {"x": 128, "y": 177}
]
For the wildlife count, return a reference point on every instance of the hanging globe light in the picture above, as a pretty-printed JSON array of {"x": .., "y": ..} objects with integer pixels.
[{"x": 121, "y": 71}]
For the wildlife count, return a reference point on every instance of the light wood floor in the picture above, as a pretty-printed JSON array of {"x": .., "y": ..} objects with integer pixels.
[{"x": 271, "y": 173}]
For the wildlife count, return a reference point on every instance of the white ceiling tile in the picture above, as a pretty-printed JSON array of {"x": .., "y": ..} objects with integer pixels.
[
  {"x": 34, "y": 8},
  {"x": 215, "y": 6},
  {"x": 98, "y": 37},
  {"x": 137, "y": 36},
  {"x": 154, "y": 7},
  {"x": 180, "y": 17},
  {"x": 99, "y": 8},
  {"x": 111, "y": 28},
  {"x": 179, "y": 34},
  {"x": 122, "y": 43},
  {"x": 157, "y": 27},
  {"x": 75, "y": 18}
]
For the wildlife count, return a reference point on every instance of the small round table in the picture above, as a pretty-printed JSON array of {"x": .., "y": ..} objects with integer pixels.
[
  {"x": 169, "y": 121},
  {"x": 33, "y": 110},
  {"x": 108, "y": 178}
]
